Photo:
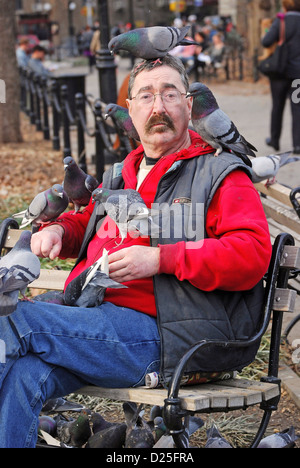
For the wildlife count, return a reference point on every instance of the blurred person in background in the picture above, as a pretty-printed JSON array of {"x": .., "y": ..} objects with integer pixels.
[{"x": 281, "y": 86}]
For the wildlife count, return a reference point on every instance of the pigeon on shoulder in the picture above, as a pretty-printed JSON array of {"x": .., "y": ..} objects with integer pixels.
[
  {"x": 44, "y": 208},
  {"x": 150, "y": 43},
  {"x": 18, "y": 269},
  {"x": 215, "y": 127},
  {"x": 77, "y": 184}
]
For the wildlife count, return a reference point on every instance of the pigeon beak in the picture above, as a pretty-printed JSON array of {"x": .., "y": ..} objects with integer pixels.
[
  {"x": 60, "y": 195},
  {"x": 188, "y": 94},
  {"x": 106, "y": 116}
]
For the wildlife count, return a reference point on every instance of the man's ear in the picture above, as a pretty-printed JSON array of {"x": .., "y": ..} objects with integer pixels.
[{"x": 128, "y": 103}]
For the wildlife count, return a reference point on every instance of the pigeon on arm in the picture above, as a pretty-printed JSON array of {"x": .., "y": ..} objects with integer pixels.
[
  {"x": 44, "y": 208},
  {"x": 215, "y": 127}
]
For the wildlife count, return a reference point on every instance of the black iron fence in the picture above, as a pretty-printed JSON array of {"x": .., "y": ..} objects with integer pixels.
[{"x": 58, "y": 110}]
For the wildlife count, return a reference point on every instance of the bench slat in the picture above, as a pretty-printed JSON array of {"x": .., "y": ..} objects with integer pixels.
[
  {"x": 284, "y": 300},
  {"x": 51, "y": 279},
  {"x": 234, "y": 393},
  {"x": 277, "y": 191}
]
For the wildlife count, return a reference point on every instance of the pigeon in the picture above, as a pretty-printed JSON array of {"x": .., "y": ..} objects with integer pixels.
[
  {"x": 215, "y": 440},
  {"x": 122, "y": 120},
  {"x": 266, "y": 167},
  {"x": 99, "y": 423},
  {"x": 284, "y": 439},
  {"x": 74, "y": 433},
  {"x": 18, "y": 269},
  {"x": 138, "y": 432},
  {"x": 47, "y": 424},
  {"x": 110, "y": 437},
  {"x": 215, "y": 127},
  {"x": 150, "y": 43},
  {"x": 88, "y": 288},
  {"x": 44, "y": 208},
  {"x": 60, "y": 405},
  {"x": 77, "y": 184},
  {"x": 128, "y": 210}
]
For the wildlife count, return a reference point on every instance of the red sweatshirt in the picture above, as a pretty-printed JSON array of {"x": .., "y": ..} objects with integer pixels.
[{"x": 234, "y": 257}]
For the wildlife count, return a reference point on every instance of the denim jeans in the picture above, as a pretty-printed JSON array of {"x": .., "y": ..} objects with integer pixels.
[{"x": 52, "y": 350}]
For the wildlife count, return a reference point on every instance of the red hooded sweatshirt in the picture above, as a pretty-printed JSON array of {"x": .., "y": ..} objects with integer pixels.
[{"x": 235, "y": 255}]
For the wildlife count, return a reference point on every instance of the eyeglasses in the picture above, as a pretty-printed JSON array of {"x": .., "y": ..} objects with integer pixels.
[{"x": 168, "y": 96}]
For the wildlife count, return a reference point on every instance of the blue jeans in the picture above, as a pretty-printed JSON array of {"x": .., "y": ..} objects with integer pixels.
[{"x": 52, "y": 350}]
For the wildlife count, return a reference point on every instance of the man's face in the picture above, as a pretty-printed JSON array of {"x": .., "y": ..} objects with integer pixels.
[{"x": 160, "y": 123}]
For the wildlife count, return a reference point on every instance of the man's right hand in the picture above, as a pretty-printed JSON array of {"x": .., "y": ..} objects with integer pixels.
[{"x": 48, "y": 242}]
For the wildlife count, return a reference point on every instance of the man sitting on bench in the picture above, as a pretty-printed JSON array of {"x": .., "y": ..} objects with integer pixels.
[{"x": 200, "y": 277}]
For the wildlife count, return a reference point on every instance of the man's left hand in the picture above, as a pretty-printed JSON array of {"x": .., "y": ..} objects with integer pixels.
[{"x": 133, "y": 262}]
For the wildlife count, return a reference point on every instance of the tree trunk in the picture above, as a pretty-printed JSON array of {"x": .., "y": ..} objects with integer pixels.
[{"x": 10, "y": 110}]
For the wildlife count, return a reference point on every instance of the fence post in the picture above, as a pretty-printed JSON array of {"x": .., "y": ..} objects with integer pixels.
[
  {"x": 31, "y": 97},
  {"x": 44, "y": 88},
  {"x": 65, "y": 120},
  {"x": 56, "y": 115},
  {"x": 80, "y": 112},
  {"x": 38, "y": 122},
  {"x": 98, "y": 142}
]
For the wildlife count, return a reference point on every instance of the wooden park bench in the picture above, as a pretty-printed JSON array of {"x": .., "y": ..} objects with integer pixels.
[
  {"x": 282, "y": 208},
  {"x": 178, "y": 401}
]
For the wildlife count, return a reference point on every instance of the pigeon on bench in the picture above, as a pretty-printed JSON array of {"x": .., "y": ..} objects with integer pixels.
[{"x": 18, "y": 269}]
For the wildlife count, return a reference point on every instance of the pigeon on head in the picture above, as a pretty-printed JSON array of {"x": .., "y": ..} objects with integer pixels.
[{"x": 150, "y": 43}]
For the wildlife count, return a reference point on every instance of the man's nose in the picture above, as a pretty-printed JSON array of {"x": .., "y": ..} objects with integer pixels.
[{"x": 158, "y": 104}]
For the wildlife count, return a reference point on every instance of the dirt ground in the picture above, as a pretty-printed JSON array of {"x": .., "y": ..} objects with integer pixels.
[{"x": 32, "y": 166}]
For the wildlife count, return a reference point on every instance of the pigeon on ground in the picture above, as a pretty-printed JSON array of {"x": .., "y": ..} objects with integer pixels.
[
  {"x": 47, "y": 424},
  {"x": 128, "y": 210},
  {"x": 74, "y": 433},
  {"x": 99, "y": 423},
  {"x": 215, "y": 127},
  {"x": 150, "y": 43},
  {"x": 18, "y": 269},
  {"x": 215, "y": 440},
  {"x": 88, "y": 288},
  {"x": 284, "y": 439},
  {"x": 77, "y": 184},
  {"x": 122, "y": 120},
  {"x": 110, "y": 437},
  {"x": 266, "y": 167},
  {"x": 44, "y": 208},
  {"x": 60, "y": 405},
  {"x": 138, "y": 432}
]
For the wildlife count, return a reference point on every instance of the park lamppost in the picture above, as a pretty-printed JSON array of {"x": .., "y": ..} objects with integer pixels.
[
  {"x": 71, "y": 8},
  {"x": 105, "y": 61}
]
